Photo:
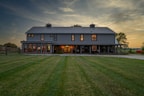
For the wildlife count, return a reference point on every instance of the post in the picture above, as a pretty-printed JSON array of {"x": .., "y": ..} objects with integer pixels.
[
  {"x": 90, "y": 49},
  {"x": 6, "y": 53}
]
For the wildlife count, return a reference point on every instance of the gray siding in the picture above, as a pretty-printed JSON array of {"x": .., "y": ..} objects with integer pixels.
[{"x": 66, "y": 39}]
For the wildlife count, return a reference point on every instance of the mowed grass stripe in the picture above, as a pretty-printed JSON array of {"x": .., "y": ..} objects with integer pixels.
[
  {"x": 28, "y": 81},
  {"x": 93, "y": 86},
  {"x": 124, "y": 86},
  {"x": 72, "y": 76},
  {"x": 54, "y": 83},
  {"x": 8, "y": 59},
  {"x": 13, "y": 64},
  {"x": 105, "y": 83},
  {"x": 96, "y": 78},
  {"x": 16, "y": 69},
  {"x": 130, "y": 68},
  {"x": 75, "y": 83}
]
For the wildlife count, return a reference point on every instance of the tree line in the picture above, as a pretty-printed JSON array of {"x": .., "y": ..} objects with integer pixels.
[{"x": 9, "y": 47}]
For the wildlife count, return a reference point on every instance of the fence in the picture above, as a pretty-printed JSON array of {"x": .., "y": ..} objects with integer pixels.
[{"x": 9, "y": 50}]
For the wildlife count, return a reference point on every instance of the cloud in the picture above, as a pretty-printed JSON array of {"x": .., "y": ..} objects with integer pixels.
[
  {"x": 49, "y": 12},
  {"x": 69, "y": 2},
  {"x": 22, "y": 12},
  {"x": 66, "y": 9}
]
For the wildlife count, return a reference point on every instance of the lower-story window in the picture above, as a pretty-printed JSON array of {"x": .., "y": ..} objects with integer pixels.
[{"x": 94, "y": 47}]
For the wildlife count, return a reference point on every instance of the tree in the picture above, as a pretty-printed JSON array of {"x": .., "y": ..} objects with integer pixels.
[
  {"x": 142, "y": 46},
  {"x": 122, "y": 39},
  {"x": 77, "y": 25},
  {"x": 12, "y": 45}
]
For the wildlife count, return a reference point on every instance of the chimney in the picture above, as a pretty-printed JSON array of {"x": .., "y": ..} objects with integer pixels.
[
  {"x": 92, "y": 25},
  {"x": 49, "y": 25}
]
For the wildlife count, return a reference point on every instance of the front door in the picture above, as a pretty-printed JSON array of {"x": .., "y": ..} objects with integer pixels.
[{"x": 67, "y": 49}]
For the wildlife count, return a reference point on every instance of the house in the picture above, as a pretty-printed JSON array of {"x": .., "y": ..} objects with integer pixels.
[{"x": 91, "y": 40}]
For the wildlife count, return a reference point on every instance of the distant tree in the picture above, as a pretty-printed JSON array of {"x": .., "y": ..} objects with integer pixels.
[
  {"x": 77, "y": 25},
  {"x": 142, "y": 46},
  {"x": 122, "y": 39},
  {"x": 12, "y": 45}
]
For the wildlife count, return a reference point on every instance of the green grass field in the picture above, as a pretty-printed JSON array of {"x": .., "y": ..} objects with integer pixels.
[{"x": 70, "y": 76}]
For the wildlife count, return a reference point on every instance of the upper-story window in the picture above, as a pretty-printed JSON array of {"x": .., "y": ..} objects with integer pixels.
[
  {"x": 81, "y": 37},
  {"x": 72, "y": 37},
  {"x": 30, "y": 35},
  {"x": 42, "y": 37},
  {"x": 55, "y": 37},
  {"x": 93, "y": 37}
]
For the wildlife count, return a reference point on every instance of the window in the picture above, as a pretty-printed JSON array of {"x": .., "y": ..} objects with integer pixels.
[
  {"x": 94, "y": 47},
  {"x": 81, "y": 37},
  {"x": 30, "y": 35},
  {"x": 42, "y": 37},
  {"x": 55, "y": 37},
  {"x": 72, "y": 37},
  {"x": 93, "y": 37}
]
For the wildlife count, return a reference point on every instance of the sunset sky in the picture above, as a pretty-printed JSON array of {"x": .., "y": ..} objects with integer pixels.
[{"x": 17, "y": 16}]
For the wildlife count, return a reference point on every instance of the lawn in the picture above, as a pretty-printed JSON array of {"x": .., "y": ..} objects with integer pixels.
[{"x": 70, "y": 76}]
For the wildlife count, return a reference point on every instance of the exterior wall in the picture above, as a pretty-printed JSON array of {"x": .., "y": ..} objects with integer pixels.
[
  {"x": 103, "y": 39},
  {"x": 37, "y": 37},
  {"x": 62, "y": 43}
]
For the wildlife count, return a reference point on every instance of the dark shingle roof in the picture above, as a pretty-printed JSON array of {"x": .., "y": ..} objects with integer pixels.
[{"x": 71, "y": 30}]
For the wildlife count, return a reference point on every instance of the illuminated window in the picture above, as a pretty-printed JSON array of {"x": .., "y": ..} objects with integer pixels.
[
  {"x": 94, "y": 47},
  {"x": 93, "y": 37},
  {"x": 81, "y": 37},
  {"x": 72, "y": 37},
  {"x": 42, "y": 37},
  {"x": 30, "y": 35}
]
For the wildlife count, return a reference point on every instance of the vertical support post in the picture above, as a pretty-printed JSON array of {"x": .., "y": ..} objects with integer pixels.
[
  {"x": 36, "y": 48},
  {"x": 90, "y": 49},
  {"x": 23, "y": 46},
  {"x": 6, "y": 53},
  {"x": 80, "y": 49},
  {"x": 108, "y": 49},
  {"x": 41, "y": 48},
  {"x": 99, "y": 49},
  {"x": 51, "y": 48}
]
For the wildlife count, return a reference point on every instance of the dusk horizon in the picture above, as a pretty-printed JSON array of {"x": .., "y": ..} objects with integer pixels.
[{"x": 18, "y": 16}]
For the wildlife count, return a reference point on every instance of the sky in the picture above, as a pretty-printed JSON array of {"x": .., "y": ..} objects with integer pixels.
[{"x": 18, "y": 16}]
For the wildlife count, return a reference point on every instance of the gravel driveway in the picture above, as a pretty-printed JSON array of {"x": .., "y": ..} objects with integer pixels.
[{"x": 132, "y": 56}]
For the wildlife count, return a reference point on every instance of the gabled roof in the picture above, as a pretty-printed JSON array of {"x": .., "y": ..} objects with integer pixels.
[{"x": 71, "y": 30}]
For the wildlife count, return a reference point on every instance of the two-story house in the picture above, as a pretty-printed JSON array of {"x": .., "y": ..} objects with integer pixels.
[{"x": 48, "y": 39}]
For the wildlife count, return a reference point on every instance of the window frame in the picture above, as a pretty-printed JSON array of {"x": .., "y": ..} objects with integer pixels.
[
  {"x": 42, "y": 37},
  {"x": 81, "y": 37},
  {"x": 93, "y": 38},
  {"x": 73, "y": 37},
  {"x": 30, "y": 35}
]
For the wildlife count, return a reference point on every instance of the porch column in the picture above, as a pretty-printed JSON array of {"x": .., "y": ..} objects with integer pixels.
[
  {"x": 75, "y": 48},
  {"x": 23, "y": 46},
  {"x": 99, "y": 49},
  {"x": 32, "y": 48},
  {"x": 116, "y": 49},
  {"x": 90, "y": 49},
  {"x": 108, "y": 49},
  {"x": 41, "y": 48},
  {"x": 51, "y": 48},
  {"x": 36, "y": 48},
  {"x": 80, "y": 49}
]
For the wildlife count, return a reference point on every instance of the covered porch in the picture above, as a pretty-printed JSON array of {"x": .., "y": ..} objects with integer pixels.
[
  {"x": 86, "y": 49},
  {"x": 37, "y": 47}
]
